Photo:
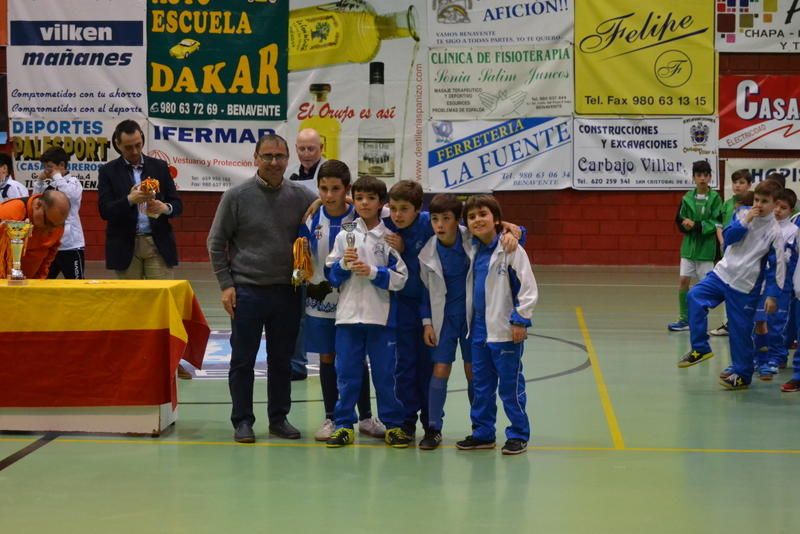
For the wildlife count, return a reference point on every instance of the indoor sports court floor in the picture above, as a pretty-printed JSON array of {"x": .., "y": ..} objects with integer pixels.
[{"x": 623, "y": 441}]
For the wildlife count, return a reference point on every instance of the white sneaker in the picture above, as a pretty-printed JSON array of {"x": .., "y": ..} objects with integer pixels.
[
  {"x": 372, "y": 427},
  {"x": 325, "y": 430},
  {"x": 721, "y": 331}
]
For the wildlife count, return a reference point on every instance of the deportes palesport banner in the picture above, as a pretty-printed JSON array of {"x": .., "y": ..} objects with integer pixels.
[
  {"x": 499, "y": 22},
  {"x": 758, "y": 26},
  {"x": 76, "y": 59},
  {"x": 500, "y": 82},
  {"x": 644, "y": 58},
  {"x": 482, "y": 156},
  {"x": 642, "y": 154},
  {"x": 760, "y": 112},
  {"x": 761, "y": 168}
]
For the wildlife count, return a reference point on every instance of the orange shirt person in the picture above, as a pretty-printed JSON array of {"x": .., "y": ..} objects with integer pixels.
[{"x": 47, "y": 212}]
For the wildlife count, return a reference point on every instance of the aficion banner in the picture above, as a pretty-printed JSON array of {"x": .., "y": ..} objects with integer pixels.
[
  {"x": 760, "y": 112},
  {"x": 644, "y": 58},
  {"x": 499, "y": 22},
  {"x": 761, "y": 168},
  {"x": 217, "y": 59},
  {"x": 642, "y": 154},
  {"x": 500, "y": 82},
  {"x": 518, "y": 154},
  {"x": 76, "y": 59},
  {"x": 758, "y": 26}
]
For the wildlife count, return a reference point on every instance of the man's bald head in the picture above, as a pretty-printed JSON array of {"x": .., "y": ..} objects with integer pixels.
[
  {"x": 308, "y": 147},
  {"x": 51, "y": 210}
]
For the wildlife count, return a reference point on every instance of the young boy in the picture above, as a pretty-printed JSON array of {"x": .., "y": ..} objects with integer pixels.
[
  {"x": 698, "y": 218},
  {"x": 367, "y": 272},
  {"x": 741, "y": 181},
  {"x": 321, "y": 229},
  {"x": 9, "y": 187},
  {"x": 752, "y": 237},
  {"x": 504, "y": 294}
]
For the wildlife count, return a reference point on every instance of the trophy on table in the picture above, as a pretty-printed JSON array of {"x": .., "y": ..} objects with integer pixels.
[
  {"x": 18, "y": 233},
  {"x": 350, "y": 236}
]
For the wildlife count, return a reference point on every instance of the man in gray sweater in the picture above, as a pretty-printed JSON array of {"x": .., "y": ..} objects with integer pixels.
[{"x": 250, "y": 245}]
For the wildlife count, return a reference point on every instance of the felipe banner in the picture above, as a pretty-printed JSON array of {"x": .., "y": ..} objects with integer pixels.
[{"x": 644, "y": 58}]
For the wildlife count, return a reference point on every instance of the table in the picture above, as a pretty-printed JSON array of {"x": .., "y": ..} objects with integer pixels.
[{"x": 96, "y": 355}]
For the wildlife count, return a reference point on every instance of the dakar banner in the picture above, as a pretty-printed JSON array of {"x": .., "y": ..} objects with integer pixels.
[
  {"x": 519, "y": 154},
  {"x": 644, "y": 58},
  {"x": 499, "y": 22},
  {"x": 758, "y": 26},
  {"x": 500, "y": 82},
  {"x": 87, "y": 142},
  {"x": 76, "y": 59},
  {"x": 217, "y": 59},
  {"x": 761, "y": 168},
  {"x": 642, "y": 154},
  {"x": 760, "y": 112}
]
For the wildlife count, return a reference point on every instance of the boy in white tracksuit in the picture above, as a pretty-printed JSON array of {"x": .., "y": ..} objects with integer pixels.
[
  {"x": 753, "y": 254},
  {"x": 367, "y": 275},
  {"x": 504, "y": 294}
]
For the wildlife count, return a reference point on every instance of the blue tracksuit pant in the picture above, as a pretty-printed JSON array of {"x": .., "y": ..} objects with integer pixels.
[
  {"x": 777, "y": 324},
  {"x": 414, "y": 365},
  {"x": 354, "y": 342},
  {"x": 740, "y": 307},
  {"x": 493, "y": 364}
]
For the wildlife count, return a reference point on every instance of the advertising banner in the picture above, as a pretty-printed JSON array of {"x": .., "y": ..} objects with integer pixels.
[
  {"x": 500, "y": 82},
  {"x": 761, "y": 168},
  {"x": 758, "y": 26},
  {"x": 76, "y": 59},
  {"x": 499, "y": 22},
  {"x": 519, "y": 154},
  {"x": 87, "y": 142},
  {"x": 217, "y": 59},
  {"x": 759, "y": 112},
  {"x": 644, "y": 58},
  {"x": 642, "y": 154}
]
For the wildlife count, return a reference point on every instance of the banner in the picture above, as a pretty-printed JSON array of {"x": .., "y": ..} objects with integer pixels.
[
  {"x": 519, "y": 154},
  {"x": 761, "y": 168},
  {"x": 753, "y": 26},
  {"x": 499, "y": 83},
  {"x": 642, "y": 154},
  {"x": 76, "y": 59},
  {"x": 634, "y": 58},
  {"x": 86, "y": 141},
  {"x": 760, "y": 112},
  {"x": 217, "y": 59},
  {"x": 499, "y": 22}
]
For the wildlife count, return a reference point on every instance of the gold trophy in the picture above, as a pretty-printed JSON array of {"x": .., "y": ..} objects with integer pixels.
[{"x": 18, "y": 233}]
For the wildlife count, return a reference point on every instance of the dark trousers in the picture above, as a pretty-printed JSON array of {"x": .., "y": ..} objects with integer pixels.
[
  {"x": 274, "y": 310},
  {"x": 70, "y": 263}
]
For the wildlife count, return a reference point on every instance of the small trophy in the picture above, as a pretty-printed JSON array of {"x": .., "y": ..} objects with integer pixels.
[
  {"x": 18, "y": 232},
  {"x": 350, "y": 236}
]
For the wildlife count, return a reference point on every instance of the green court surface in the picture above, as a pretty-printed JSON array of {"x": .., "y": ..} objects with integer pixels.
[{"x": 623, "y": 442}]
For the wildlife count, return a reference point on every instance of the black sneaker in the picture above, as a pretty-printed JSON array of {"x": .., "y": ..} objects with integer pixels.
[
  {"x": 432, "y": 439},
  {"x": 514, "y": 446},
  {"x": 340, "y": 438},
  {"x": 693, "y": 358},
  {"x": 397, "y": 438},
  {"x": 470, "y": 443}
]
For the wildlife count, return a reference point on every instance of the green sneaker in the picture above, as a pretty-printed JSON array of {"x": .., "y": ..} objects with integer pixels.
[
  {"x": 693, "y": 358},
  {"x": 395, "y": 437},
  {"x": 340, "y": 438}
]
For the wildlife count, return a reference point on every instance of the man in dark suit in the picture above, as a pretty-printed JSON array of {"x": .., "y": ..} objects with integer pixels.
[{"x": 139, "y": 239}]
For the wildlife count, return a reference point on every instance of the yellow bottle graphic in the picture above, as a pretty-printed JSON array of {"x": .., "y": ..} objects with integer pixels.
[
  {"x": 328, "y": 128},
  {"x": 347, "y": 31}
]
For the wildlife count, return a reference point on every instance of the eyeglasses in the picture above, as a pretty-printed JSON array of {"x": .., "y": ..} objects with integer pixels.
[{"x": 268, "y": 158}]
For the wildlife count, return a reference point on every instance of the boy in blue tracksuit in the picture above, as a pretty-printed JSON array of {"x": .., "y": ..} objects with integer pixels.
[
  {"x": 367, "y": 272},
  {"x": 754, "y": 255},
  {"x": 504, "y": 296}
]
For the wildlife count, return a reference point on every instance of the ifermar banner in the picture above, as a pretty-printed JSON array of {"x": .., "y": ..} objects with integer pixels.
[
  {"x": 500, "y": 82},
  {"x": 484, "y": 156},
  {"x": 76, "y": 59},
  {"x": 758, "y": 26},
  {"x": 644, "y": 58},
  {"x": 499, "y": 22},
  {"x": 218, "y": 59},
  {"x": 627, "y": 154}
]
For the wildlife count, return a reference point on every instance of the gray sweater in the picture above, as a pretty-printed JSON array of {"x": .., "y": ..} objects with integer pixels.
[{"x": 251, "y": 238}]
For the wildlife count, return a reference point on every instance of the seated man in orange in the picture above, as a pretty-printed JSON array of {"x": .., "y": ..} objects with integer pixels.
[{"x": 47, "y": 212}]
